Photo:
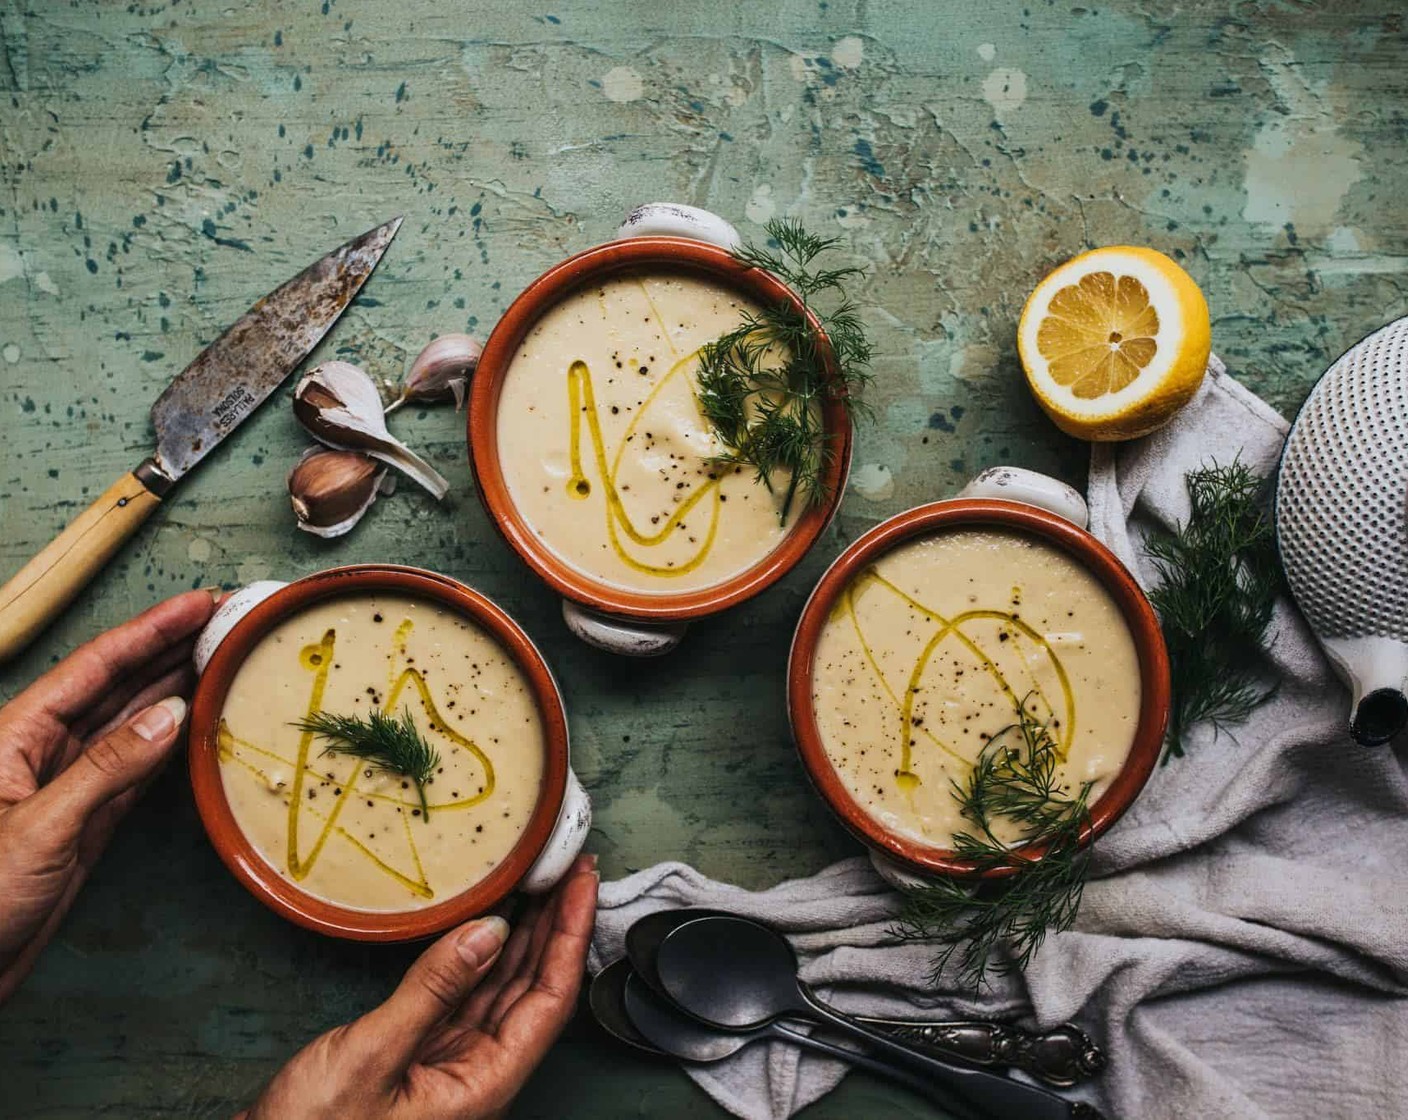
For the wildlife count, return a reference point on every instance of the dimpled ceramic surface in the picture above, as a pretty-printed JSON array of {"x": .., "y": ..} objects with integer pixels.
[
  {"x": 1340, "y": 518},
  {"x": 163, "y": 166}
]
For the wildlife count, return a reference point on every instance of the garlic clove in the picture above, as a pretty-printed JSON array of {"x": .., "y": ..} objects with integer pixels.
[
  {"x": 331, "y": 490},
  {"x": 441, "y": 371},
  {"x": 335, "y": 397},
  {"x": 340, "y": 406}
]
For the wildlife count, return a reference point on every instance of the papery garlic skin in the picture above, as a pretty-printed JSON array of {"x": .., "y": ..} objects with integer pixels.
[
  {"x": 335, "y": 396},
  {"x": 339, "y": 405},
  {"x": 331, "y": 490},
  {"x": 441, "y": 372}
]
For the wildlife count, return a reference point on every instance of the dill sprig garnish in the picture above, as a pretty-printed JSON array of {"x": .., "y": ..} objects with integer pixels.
[
  {"x": 1014, "y": 779},
  {"x": 763, "y": 384},
  {"x": 383, "y": 741},
  {"x": 1220, "y": 580}
]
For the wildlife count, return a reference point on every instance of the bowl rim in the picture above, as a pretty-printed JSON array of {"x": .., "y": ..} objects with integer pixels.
[
  {"x": 234, "y": 848},
  {"x": 991, "y": 513},
  {"x": 594, "y": 264}
]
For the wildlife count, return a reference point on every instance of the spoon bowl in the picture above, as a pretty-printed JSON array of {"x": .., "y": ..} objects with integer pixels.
[
  {"x": 644, "y": 937},
  {"x": 749, "y": 980},
  {"x": 607, "y": 998},
  {"x": 673, "y": 1032}
]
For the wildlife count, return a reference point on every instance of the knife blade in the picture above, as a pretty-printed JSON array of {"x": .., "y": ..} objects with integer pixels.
[
  {"x": 235, "y": 374},
  {"x": 204, "y": 403}
]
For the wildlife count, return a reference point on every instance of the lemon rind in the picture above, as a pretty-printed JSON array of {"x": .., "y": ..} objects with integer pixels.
[{"x": 1175, "y": 300}]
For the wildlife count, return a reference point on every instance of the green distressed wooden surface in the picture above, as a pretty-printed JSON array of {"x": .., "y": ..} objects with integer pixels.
[{"x": 163, "y": 164}]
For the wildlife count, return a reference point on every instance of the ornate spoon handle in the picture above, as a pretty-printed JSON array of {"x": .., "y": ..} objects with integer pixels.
[{"x": 1062, "y": 1056}]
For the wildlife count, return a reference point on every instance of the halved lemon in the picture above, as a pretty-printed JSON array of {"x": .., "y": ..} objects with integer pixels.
[{"x": 1114, "y": 342}]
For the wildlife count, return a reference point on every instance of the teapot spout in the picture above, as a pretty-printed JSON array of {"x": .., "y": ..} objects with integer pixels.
[{"x": 1376, "y": 670}]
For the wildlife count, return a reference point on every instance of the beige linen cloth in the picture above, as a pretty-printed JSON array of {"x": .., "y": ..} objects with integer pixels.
[{"x": 1242, "y": 950}]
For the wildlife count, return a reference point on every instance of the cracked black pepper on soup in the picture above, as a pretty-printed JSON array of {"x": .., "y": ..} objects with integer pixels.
[
  {"x": 342, "y": 829},
  {"x": 929, "y": 652},
  {"x": 604, "y": 448}
]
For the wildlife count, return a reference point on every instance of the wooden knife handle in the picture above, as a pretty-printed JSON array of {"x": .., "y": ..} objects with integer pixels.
[{"x": 40, "y": 590}]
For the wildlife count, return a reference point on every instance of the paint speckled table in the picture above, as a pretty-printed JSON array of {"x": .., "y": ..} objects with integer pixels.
[{"x": 162, "y": 164}]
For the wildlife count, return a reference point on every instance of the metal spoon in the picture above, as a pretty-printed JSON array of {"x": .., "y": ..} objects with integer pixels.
[
  {"x": 608, "y": 1004},
  {"x": 674, "y": 1032},
  {"x": 737, "y": 974},
  {"x": 627, "y": 1009},
  {"x": 1061, "y": 1056}
]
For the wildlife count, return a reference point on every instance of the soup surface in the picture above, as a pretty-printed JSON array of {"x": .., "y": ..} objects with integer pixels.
[
  {"x": 337, "y": 826},
  {"x": 604, "y": 448},
  {"x": 930, "y": 651}
]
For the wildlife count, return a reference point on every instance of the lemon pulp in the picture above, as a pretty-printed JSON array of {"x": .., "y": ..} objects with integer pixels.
[{"x": 1114, "y": 342}]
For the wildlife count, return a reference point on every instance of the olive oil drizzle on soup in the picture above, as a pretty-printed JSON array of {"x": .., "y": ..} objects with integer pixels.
[
  {"x": 930, "y": 652},
  {"x": 342, "y": 829},
  {"x": 604, "y": 448}
]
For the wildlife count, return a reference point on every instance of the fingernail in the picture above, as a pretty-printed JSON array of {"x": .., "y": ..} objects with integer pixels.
[
  {"x": 160, "y": 719},
  {"x": 591, "y": 858},
  {"x": 480, "y": 942},
  {"x": 215, "y": 591}
]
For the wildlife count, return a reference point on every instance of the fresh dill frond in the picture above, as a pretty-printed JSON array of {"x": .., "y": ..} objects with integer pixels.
[
  {"x": 1220, "y": 579},
  {"x": 383, "y": 741},
  {"x": 762, "y": 385},
  {"x": 1014, "y": 779}
]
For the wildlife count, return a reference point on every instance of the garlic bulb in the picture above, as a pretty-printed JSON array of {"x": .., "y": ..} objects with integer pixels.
[
  {"x": 441, "y": 371},
  {"x": 331, "y": 490},
  {"x": 340, "y": 406}
]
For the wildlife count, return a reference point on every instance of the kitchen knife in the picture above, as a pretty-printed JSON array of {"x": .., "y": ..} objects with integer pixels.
[{"x": 206, "y": 402}]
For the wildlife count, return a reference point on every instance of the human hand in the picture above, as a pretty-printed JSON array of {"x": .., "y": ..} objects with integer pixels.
[
  {"x": 461, "y": 1033},
  {"x": 76, "y": 747}
]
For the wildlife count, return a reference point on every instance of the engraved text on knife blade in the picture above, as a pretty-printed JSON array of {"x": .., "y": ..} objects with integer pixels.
[{"x": 240, "y": 369}]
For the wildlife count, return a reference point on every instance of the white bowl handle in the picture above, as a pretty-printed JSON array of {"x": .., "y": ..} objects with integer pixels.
[
  {"x": 568, "y": 836},
  {"x": 235, "y": 606},
  {"x": 617, "y": 635},
  {"x": 897, "y": 875},
  {"x": 675, "y": 219},
  {"x": 1017, "y": 484}
]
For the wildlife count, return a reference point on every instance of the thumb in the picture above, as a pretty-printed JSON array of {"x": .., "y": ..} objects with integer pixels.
[
  {"x": 117, "y": 762},
  {"x": 434, "y": 986}
]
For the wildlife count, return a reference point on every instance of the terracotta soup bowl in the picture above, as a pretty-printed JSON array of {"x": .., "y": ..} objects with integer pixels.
[
  {"x": 614, "y": 617},
  {"x": 1013, "y": 501},
  {"x": 556, "y": 820}
]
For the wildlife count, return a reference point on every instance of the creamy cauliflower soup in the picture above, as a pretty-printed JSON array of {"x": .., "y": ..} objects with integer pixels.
[
  {"x": 605, "y": 451},
  {"x": 339, "y": 827},
  {"x": 929, "y": 652}
]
